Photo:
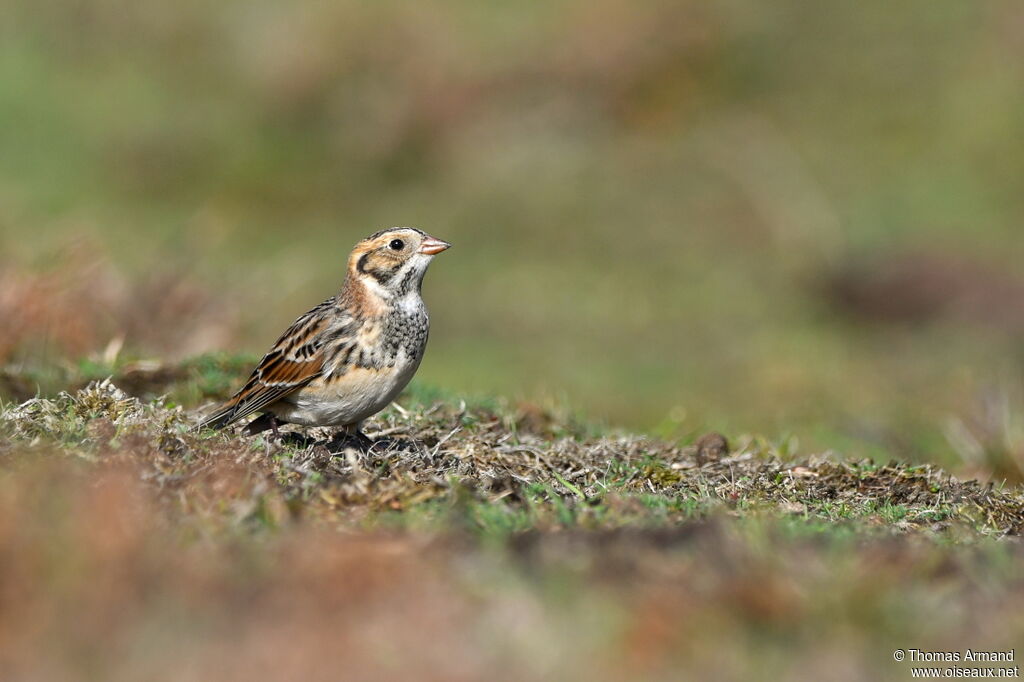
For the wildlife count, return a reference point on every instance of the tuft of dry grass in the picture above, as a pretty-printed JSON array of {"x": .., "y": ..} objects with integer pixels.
[{"x": 81, "y": 304}]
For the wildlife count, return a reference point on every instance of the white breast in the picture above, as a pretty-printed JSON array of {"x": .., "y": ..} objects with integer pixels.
[{"x": 350, "y": 398}]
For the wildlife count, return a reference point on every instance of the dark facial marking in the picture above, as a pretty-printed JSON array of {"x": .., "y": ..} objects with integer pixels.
[
  {"x": 378, "y": 267},
  {"x": 407, "y": 281}
]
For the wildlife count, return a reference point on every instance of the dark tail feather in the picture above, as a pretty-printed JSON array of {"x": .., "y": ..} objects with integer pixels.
[{"x": 218, "y": 420}]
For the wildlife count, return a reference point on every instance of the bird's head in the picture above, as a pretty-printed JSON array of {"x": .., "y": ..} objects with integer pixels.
[{"x": 392, "y": 262}]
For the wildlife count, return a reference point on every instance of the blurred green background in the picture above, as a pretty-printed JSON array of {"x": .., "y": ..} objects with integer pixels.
[{"x": 789, "y": 218}]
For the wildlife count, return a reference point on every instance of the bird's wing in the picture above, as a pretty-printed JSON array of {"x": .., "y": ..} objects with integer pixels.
[{"x": 294, "y": 361}]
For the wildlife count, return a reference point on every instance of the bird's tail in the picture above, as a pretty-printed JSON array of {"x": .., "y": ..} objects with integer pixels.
[{"x": 217, "y": 420}]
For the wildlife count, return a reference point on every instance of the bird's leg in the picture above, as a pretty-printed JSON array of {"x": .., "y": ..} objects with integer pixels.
[
  {"x": 364, "y": 441},
  {"x": 265, "y": 421},
  {"x": 355, "y": 435}
]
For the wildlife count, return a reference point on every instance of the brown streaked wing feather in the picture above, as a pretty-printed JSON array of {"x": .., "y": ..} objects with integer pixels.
[
  {"x": 292, "y": 363},
  {"x": 271, "y": 382}
]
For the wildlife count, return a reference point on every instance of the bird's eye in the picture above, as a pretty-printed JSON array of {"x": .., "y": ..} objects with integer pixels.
[{"x": 396, "y": 245}]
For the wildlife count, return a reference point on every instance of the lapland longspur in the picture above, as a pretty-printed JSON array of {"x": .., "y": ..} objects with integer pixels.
[{"x": 349, "y": 357}]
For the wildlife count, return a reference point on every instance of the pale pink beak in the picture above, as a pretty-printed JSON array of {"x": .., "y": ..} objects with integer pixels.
[{"x": 430, "y": 246}]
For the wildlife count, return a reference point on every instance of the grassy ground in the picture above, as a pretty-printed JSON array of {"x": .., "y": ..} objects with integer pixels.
[{"x": 476, "y": 541}]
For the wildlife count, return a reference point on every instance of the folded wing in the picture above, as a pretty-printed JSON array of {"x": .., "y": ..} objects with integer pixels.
[{"x": 293, "y": 362}]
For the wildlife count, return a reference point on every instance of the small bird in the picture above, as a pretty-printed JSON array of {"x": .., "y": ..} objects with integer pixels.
[{"x": 349, "y": 357}]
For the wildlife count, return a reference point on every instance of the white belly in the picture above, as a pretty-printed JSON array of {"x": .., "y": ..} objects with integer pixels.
[{"x": 349, "y": 399}]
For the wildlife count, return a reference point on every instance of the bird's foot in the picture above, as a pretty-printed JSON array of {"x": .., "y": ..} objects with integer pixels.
[
  {"x": 268, "y": 421},
  {"x": 350, "y": 438},
  {"x": 262, "y": 423}
]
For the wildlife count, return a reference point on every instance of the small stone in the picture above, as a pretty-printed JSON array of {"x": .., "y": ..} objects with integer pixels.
[{"x": 710, "y": 447}]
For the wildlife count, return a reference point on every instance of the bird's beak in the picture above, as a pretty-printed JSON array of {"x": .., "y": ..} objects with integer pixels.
[{"x": 430, "y": 246}]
